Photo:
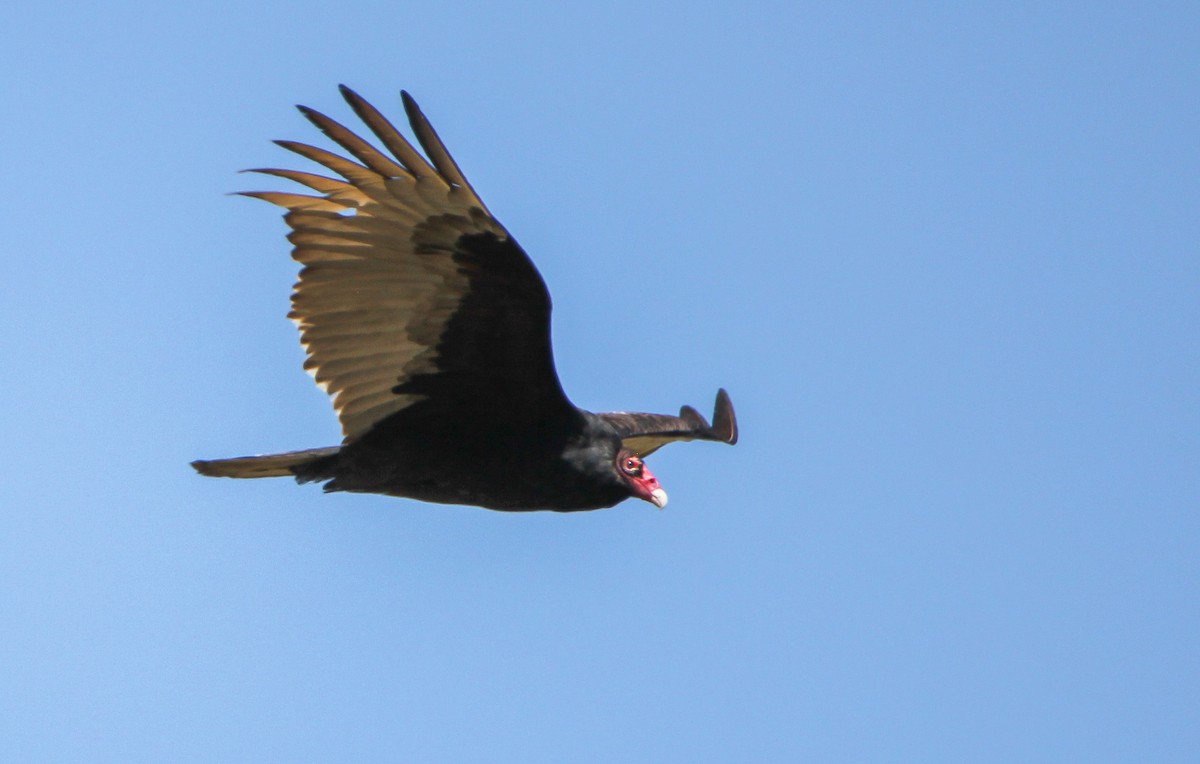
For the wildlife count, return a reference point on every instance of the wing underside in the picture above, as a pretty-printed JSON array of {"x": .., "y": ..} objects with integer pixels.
[{"x": 408, "y": 282}]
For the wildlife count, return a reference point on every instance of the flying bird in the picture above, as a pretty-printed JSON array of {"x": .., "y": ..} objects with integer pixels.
[{"x": 430, "y": 328}]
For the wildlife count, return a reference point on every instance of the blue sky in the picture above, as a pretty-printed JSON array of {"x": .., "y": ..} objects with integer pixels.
[{"x": 944, "y": 259}]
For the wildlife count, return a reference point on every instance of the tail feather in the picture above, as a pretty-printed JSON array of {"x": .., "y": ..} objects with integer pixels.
[{"x": 270, "y": 465}]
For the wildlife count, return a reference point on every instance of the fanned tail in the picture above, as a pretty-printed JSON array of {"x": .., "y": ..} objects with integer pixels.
[{"x": 300, "y": 464}]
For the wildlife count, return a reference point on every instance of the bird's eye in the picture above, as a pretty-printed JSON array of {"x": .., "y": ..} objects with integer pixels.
[{"x": 632, "y": 466}]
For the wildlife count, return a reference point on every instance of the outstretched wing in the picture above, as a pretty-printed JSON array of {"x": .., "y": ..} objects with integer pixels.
[
  {"x": 410, "y": 289},
  {"x": 646, "y": 433}
]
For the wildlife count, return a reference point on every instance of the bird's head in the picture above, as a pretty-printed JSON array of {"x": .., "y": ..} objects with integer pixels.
[{"x": 640, "y": 480}]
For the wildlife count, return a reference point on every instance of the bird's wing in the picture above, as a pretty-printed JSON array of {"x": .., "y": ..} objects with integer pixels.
[
  {"x": 410, "y": 290},
  {"x": 646, "y": 433}
]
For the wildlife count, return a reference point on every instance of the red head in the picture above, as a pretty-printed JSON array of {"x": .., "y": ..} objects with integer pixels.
[{"x": 642, "y": 482}]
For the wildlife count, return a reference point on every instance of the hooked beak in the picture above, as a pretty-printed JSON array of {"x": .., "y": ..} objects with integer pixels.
[
  {"x": 649, "y": 490},
  {"x": 658, "y": 497}
]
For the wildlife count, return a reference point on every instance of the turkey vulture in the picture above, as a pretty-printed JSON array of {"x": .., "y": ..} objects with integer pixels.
[{"x": 430, "y": 328}]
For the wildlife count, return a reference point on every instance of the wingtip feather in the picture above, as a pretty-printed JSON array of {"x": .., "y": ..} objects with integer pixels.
[
  {"x": 724, "y": 420},
  {"x": 694, "y": 417}
]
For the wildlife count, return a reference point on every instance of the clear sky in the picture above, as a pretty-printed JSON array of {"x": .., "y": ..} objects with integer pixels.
[{"x": 945, "y": 257}]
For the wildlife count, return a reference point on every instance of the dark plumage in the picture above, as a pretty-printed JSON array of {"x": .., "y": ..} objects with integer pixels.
[{"x": 430, "y": 327}]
